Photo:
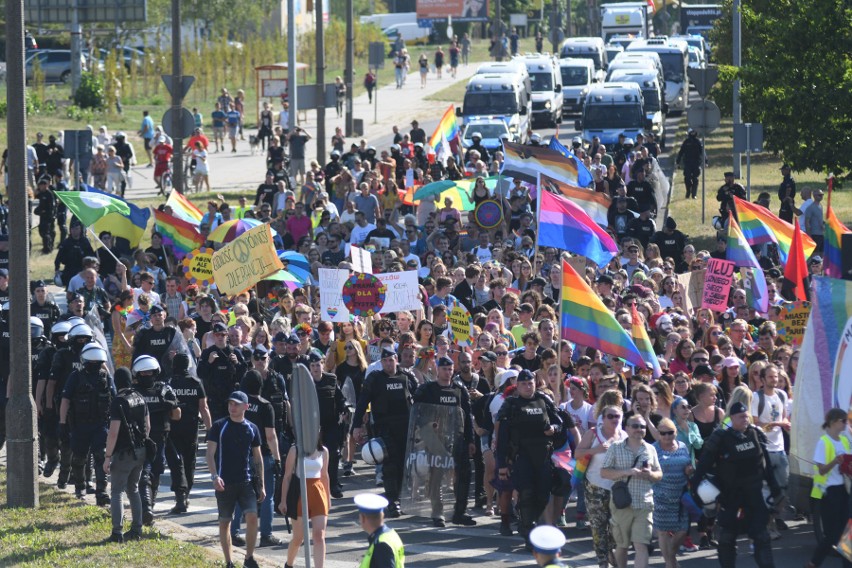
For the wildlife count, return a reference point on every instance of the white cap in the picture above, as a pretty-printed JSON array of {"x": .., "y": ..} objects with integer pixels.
[
  {"x": 370, "y": 503},
  {"x": 504, "y": 377},
  {"x": 547, "y": 539}
]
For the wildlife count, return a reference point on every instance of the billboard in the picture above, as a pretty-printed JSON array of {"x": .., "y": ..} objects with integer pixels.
[{"x": 460, "y": 10}]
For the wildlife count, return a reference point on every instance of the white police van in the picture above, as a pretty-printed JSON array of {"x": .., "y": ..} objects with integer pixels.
[
  {"x": 653, "y": 99},
  {"x": 546, "y": 84},
  {"x": 497, "y": 96},
  {"x": 578, "y": 76},
  {"x": 612, "y": 109}
]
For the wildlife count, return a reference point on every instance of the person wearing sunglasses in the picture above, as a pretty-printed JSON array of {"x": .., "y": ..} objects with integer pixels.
[{"x": 671, "y": 519}]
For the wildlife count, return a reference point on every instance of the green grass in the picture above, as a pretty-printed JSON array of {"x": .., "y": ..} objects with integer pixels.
[{"x": 63, "y": 532}]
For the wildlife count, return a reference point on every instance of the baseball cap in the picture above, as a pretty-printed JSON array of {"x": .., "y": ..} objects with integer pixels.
[
  {"x": 444, "y": 362},
  {"x": 219, "y": 327},
  {"x": 239, "y": 396}
]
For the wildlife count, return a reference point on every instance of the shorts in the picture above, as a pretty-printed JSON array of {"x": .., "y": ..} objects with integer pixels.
[
  {"x": 160, "y": 169},
  {"x": 630, "y": 525},
  {"x": 780, "y": 468},
  {"x": 297, "y": 166},
  {"x": 242, "y": 493},
  {"x": 318, "y": 504},
  {"x": 148, "y": 143},
  {"x": 233, "y": 129},
  {"x": 219, "y": 131}
]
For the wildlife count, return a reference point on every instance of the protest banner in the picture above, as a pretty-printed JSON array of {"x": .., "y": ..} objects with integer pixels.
[
  {"x": 717, "y": 284},
  {"x": 361, "y": 260},
  {"x": 460, "y": 324},
  {"x": 403, "y": 293},
  {"x": 197, "y": 266},
  {"x": 245, "y": 261},
  {"x": 364, "y": 295},
  {"x": 792, "y": 321},
  {"x": 692, "y": 284}
]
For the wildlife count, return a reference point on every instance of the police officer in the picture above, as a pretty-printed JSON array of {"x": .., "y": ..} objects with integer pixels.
[
  {"x": 155, "y": 341},
  {"x": 125, "y": 454},
  {"x": 476, "y": 139},
  {"x": 124, "y": 151},
  {"x": 65, "y": 361},
  {"x": 725, "y": 195},
  {"x": 84, "y": 416},
  {"x": 220, "y": 367},
  {"x": 46, "y": 211},
  {"x": 388, "y": 392},
  {"x": 691, "y": 153},
  {"x": 43, "y": 307},
  {"x": 38, "y": 344},
  {"x": 71, "y": 253},
  {"x": 445, "y": 392},
  {"x": 332, "y": 411},
  {"x": 385, "y": 547},
  {"x": 274, "y": 390},
  {"x": 787, "y": 194},
  {"x": 527, "y": 424},
  {"x": 287, "y": 356},
  {"x": 547, "y": 542},
  {"x": 182, "y": 445},
  {"x": 5, "y": 348},
  {"x": 739, "y": 457},
  {"x": 47, "y": 416},
  {"x": 163, "y": 408}
]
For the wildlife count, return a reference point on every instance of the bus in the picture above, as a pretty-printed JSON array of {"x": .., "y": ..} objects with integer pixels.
[{"x": 674, "y": 55}]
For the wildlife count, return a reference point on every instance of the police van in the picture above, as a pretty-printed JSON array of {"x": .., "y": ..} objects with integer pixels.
[
  {"x": 591, "y": 48},
  {"x": 578, "y": 76},
  {"x": 612, "y": 109},
  {"x": 546, "y": 84},
  {"x": 653, "y": 99},
  {"x": 511, "y": 67},
  {"x": 497, "y": 96}
]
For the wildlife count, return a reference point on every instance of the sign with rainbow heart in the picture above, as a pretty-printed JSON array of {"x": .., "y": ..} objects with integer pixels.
[{"x": 339, "y": 299}]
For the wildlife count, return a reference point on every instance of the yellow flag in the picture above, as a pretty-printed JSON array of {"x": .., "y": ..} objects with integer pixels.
[{"x": 245, "y": 261}]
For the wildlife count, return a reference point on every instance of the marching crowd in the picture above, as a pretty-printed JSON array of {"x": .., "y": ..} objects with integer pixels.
[{"x": 142, "y": 359}]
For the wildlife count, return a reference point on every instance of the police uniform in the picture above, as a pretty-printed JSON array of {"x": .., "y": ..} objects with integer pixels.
[
  {"x": 692, "y": 154},
  {"x": 149, "y": 341},
  {"x": 454, "y": 396},
  {"x": 389, "y": 398},
  {"x": 274, "y": 390},
  {"x": 65, "y": 361},
  {"x": 182, "y": 447},
  {"x": 385, "y": 548},
  {"x": 161, "y": 400},
  {"x": 4, "y": 377},
  {"x": 741, "y": 464},
  {"x": 523, "y": 445},
  {"x": 725, "y": 196},
  {"x": 331, "y": 406},
  {"x": 222, "y": 376},
  {"x": 48, "y": 419},
  {"x": 46, "y": 211},
  {"x": 48, "y": 313}
]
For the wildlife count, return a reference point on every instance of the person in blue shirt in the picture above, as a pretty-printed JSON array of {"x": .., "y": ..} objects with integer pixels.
[
  {"x": 219, "y": 117},
  {"x": 234, "y": 117},
  {"x": 147, "y": 133}
]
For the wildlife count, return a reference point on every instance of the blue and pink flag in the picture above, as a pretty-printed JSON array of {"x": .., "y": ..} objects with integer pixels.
[{"x": 564, "y": 225}]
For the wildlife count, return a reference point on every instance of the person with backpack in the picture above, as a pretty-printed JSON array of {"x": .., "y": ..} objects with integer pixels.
[{"x": 370, "y": 84}]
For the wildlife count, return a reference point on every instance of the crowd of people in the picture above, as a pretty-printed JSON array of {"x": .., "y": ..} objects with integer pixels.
[{"x": 141, "y": 354}]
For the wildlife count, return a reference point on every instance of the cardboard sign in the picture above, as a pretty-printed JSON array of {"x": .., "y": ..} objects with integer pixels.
[
  {"x": 717, "y": 284},
  {"x": 693, "y": 285},
  {"x": 363, "y": 295},
  {"x": 460, "y": 325},
  {"x": 361, "y": 260},
  {"x": 792, "y": 322},
  {"x": 403, "y": 293},
  {"x": 198, "y": 266},
  {"x": 245, "y": 261}
]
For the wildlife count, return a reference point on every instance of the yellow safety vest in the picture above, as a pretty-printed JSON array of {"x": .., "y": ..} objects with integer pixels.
[
  {"x": 820, "y": 481},
  {"x": 392, "y": 539}
]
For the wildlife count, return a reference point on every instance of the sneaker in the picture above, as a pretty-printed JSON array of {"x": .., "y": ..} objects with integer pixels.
[
  {"x": 237, "y": 540},
  {"x": 50, "y": 467},
  {"x": 465, "y": 520},
  {"x": 132, "y": 535},
  {"x": 561, "y": 522},
  {"x": 438, "y": 523},
  {"x": 116, "y": 537},
  {"x": 250, "y": 562},
  {"x": 506, "y": 529},
  {"x": 347, "y": 469},
  {"x": 688, "y": 545},
  {"x": 337, "y": 492},
  {"x": 781, "y": 525},
  {"x": 581, "y": 524},
  {"x": 704, "y": 543},
  {"x": 270, "y": 540}
]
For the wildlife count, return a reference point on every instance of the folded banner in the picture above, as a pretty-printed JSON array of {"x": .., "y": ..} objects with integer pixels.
[
  {"x": 245, "y": 261},
  {"x": 402, "y": 293}
]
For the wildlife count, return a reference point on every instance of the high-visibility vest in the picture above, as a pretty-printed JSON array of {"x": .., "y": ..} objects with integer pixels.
[
  {"x": 820, "y": 481},
  {"x": 392, "y": 539}
]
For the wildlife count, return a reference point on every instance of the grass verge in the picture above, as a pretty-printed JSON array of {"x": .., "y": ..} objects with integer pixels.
[{"x": 65, "y": 532}]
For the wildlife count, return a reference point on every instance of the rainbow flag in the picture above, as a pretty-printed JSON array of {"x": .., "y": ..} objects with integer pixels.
[
  {"x": 760, "y": 226},
  {"x": 564, "y": 225},
  {"x": 448, "y": 127},
  {"x": 739, "y": 252},
  {"x": 579, "y": 467},
  {"x": 527, "y": 162},
  {"x": 587, "y": 321},
  {"x": 584, "y": 176},
  {"x": 183, "y": 208},
  {"x": 181, "y": 235},
  {"x": 595, "y": 204},
  {"x": 834, "y": 230},
  {"x": 643, "y": 343}
]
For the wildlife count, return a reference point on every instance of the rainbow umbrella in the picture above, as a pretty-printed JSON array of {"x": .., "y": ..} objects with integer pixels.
[
  {"x": 287, "y": 278},
  {"x": 135, "y": 316},
  {"x": 230, "y": 230},
  {"x": 434, "y": 188},
  {"x": 297, "y": 264}
]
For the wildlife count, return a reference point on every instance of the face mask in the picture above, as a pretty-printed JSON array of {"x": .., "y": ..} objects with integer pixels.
[
  {"x": 146, "y": 381},
  {"x": 92, "y": 366}
]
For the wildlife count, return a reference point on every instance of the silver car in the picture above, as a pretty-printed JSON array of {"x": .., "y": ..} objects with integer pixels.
[{"x": 55, "y": 64}]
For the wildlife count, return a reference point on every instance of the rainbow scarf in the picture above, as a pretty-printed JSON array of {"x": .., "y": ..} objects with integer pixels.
[
  {"x": 834, "y": 231},
  {"x": 760, "y": 226}
]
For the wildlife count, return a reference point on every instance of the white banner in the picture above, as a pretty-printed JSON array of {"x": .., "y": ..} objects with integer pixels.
[
  {"x": 361, "y": 260},
  {"x": 403, "y": 293}
]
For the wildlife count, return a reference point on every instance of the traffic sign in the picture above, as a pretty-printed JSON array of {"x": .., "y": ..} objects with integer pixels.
[
  {"x": 377, "y": 54},
  {"x": 704, "y": 79},
  {"x": 748, "y": 136},
  {"x": 305, "y": 411},
  {"x": 187, "y": 124},
  {"x": 88, "y": 11},
  {"x": 185, "y": 84},
  {"x": 704, "y": 117}
]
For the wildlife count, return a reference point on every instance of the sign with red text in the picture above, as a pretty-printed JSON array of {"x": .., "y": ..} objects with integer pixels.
[
  {"x": 403, "y": 293},
  {"x": 363, "y": 295},
  {"x": 717, "y": 284}
]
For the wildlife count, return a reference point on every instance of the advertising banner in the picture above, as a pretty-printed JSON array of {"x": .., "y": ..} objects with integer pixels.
[{"x": 460, "y": 10}]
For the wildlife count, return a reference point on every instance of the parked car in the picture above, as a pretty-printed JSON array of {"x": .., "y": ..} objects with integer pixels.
[
  {"x": 55, "y": 64},
  {"x": 129, "y": 55}
]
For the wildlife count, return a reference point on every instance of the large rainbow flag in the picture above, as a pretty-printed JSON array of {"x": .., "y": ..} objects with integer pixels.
[
  {"x": 643, "y": 343},
  {"x": 448, "y": 129},
  {"x": 595, "y": 204},
  {"x": 183, "y": 208},
  {"x": 760, "y": 226},
  {"x": 564, "y": 225},
  {"x": 181, "y": 235},
  {"x": 739, "y": 252},
  {"x": 834, "y": 231},
  {"x": 587, "y": 321},
  {"x": 527, "y": 162}
]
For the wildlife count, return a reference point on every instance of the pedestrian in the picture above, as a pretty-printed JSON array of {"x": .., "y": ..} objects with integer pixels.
[
  {"x": 234, "y": 117},
  {"x": 125, "y": 454},
  {"x": 691, "y": 153},
  {"x": 671, "y": 519},
  {"x": 465, "y": 48},
  {"x": 319, "y": 499},
  {"x": 114, "y": 171},
  {"x": 202, "y": 168},
  {"x": 236, "y": 466},
  {"x": 239, "y": 106},
  {"x": 340, "y": 95},
  {"x": 219, "y": 118},
  {"x": 423, "y": 63},
  {"x": 146, "y": 131},
  {"x": 370, "y": 84},
  {"x": 454, "y": 58},
  {"x": 264, "y": 132},
  {"x": 547, "y": 542},
  {"x": 385, "y": 548},
  {"x": 439, "y": 60}
]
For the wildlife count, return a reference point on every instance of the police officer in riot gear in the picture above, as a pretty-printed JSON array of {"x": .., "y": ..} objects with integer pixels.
[
  {"x": 125, "y": 454},
  {"x": 84, "y": 416},
  {"x": 388, "y": 392},
  {"x": 691, "y": 153},
  {"x": 38, "y": 344},
  {"x": 47, "y": 416},
  {"x": 476, "y": 139},
  {"x": 527, "y": 424},
  {"x": 162, "y": 408},
  {"x": 741, "y": 462},
  {"x": 46, "y": 211},
  {"x": 445, "y": 392},
  {"x": 332, "y": 411},
  {"x": 220, "y": 367},
  {"x": 182, "y": 445},
  {"x": 274, "y": 390}
]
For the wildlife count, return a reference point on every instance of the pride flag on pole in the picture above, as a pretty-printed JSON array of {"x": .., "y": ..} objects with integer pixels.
[
  {"x": 739, "y": 252},
  {"x": 587, "y": 321},
  {"x": 563, "y": 224},
  {"x": 834, "y": 231},
  {"x": 446, "y": 132},
  {"x": 643, "y": 343},
  {"x": 183, "y": 208},
  {"x": 181, "y": 235},
  {"x": 760, "y": 226}
]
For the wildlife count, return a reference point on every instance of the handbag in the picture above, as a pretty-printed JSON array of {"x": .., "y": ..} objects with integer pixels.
[{"x": 620, "y": 494}]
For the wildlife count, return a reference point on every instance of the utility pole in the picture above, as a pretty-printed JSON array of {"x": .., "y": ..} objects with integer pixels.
[
  {"x": 291, "y": 63},
  {"x": 350, "y": 64},
  {"x": 177, "y": 99},
  {"x": 320, "y": 57},
  {"x": 738, "y": 113},
  {"x": 22, "y": 480},
  {"x": 76, "y": 48}
]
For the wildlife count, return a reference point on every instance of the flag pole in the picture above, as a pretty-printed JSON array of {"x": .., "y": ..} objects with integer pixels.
[
  {"x": 537, "y": 218},
  {"x": 91, "y": 232},
  {"x": 561, "y": 291}
]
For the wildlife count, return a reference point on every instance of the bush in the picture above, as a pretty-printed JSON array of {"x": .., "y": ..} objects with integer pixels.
[
  {"x": 91, "y": 92},
  {"x": 722, "y": 92},
  {"x": 34, "y": 105}
]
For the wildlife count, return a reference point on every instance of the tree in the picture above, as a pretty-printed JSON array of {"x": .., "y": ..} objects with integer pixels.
[{"x": 797, "y": 78}]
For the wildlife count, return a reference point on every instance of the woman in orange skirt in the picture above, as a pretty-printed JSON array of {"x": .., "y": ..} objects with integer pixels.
[{"x": 319, "y": 498}]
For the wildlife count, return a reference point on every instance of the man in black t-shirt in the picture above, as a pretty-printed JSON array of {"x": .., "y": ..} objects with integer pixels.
[
  {"x": 335, "y": 254},
  {"x": 298, "y": 139},
  {"x": 267, "y": 190}
]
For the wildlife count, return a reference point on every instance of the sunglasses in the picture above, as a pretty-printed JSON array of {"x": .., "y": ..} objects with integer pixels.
[
  {"x": 613, "y": 416},
  {"x": 668, "y": 433},
  {"x": 259, "y": 357},
  {"x": 502, "y": 353},
  {"x": 637, "y": 426},
  {"x": 301, "y": 334}
]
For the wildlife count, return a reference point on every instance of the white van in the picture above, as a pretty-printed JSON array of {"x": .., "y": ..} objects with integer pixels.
[
  {"x": 638, "y": 59},
  {"x": 578, "y": 76},
  {"x": 675, "y": 59},
  {"x": 511, "y": 67},
  {"x": 410, "y": 33},
  {"x": 653, "y": 99},
  {"x": 546, "y": 85},
  {"x": 592, "y": 48},
  {"x": 500, "y": 96}
]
